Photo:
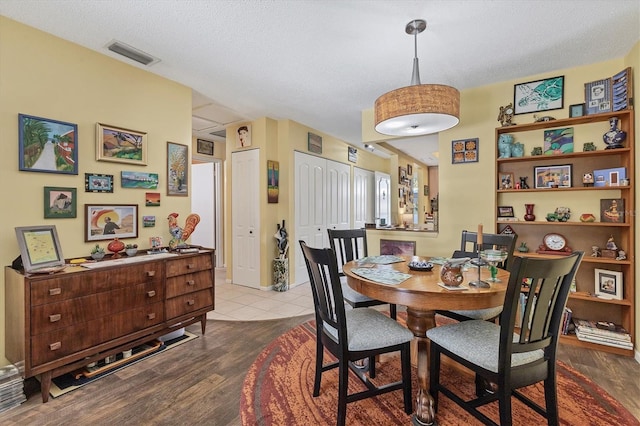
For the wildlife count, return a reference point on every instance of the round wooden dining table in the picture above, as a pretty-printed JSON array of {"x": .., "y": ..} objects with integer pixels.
[{"x": 422, "y": 296}]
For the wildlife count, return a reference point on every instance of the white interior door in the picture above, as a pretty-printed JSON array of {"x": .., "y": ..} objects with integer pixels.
[
  {"x": 245, "y": 217},
  {"x": 202, "y": 203},
  {"x": 363, "y": 197},
  {"x": 338, "y": 198}
]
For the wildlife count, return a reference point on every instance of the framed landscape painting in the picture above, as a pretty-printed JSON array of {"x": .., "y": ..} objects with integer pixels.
[
  {"x": 120, "y": 145},
  {"x": 47, "y": 145},
  {"x": 177, "y": 169}
]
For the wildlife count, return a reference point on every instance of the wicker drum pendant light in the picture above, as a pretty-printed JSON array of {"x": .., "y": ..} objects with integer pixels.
[{"x": 418, "y": 109}]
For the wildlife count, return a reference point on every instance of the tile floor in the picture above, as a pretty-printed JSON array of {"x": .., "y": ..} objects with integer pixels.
[{"x": 239, "y": 303}]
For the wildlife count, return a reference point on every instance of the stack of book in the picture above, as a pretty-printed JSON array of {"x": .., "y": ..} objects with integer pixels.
[
  {"x": 602, "y": 333},
  {"x": 566, "y": 321},
  {"x": 11, "y": 387}
]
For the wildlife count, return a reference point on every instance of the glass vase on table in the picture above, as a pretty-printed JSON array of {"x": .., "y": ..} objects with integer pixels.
[{"x": 493, "y": 258}]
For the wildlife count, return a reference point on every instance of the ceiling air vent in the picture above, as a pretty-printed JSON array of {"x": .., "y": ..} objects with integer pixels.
[
  {"x": 220, "y": 133},
  {"x": 132, "y": 53}
]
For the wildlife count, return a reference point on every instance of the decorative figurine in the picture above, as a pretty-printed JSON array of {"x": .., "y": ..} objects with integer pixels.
[
  {"x": 611, "y": 244},
  {"x": 587, "y": 217},
  {"x": 180, "y": 235},
  {"x": 523, "y": 182},
  {"x": 561, "y": 214},
  {"x": 537, "y": 119},
  {"x": 595, "y": 251},
  {"x": 587, "y": 179},
  {"x": 614, "y": 136},
  {"x": 506, "y": 115},
  {"x": 504, "y": 145},
  {"x": 523, "y": 247},
  {"x": 517, "y": 150},
  {"x": 611, "y": 251},
  {"x": 589, "y": 146},
  {"x": 537, "y": 150},
  {"x": 621, "y": 255}
]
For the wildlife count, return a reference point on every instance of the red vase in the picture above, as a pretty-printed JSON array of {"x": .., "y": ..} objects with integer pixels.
[
  {"x": 115, "y": 246},
  {"x": 529, "y": 216}
]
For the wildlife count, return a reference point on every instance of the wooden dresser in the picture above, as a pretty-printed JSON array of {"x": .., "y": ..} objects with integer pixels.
[{"x": 58, "y": 323}]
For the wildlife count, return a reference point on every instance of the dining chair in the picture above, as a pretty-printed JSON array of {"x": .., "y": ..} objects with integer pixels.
[
  {"x": 348, "y": 245},
  {"x": 517, "y": 352},
  {"x": 469, "y": 248},
  {"x": 352, "y": 335}
]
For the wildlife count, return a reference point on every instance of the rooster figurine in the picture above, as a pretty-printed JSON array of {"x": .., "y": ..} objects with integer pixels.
[{"x": 180, "y": 235}]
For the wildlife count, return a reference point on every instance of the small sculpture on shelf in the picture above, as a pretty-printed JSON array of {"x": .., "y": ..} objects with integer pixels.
[
  {"x": 517, "y": 150},
  {"x": 595, "y": 251},
  {"x": 561, "y": 214},
  {"x": 537, "y": 150},
  {"x": 587, "y": 217},
  {"x": 523, "y": 247},
  {"x": 587, "y": 179},
  {"x": 538, "y": 119},
  {"x": 614, "y": 137},
  {"x": 523, "y": 182},
  {"x": 621, "y": 255},
  {"x": 588, "y": 146},
  {"x": 504, "y": 145},
  {"x": 611, "y": 250},
  {"x": 505, "y": 116}
]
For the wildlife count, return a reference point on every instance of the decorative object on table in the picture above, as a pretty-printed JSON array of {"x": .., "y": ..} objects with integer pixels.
[
  {"x": 561, "y": 214},
  {"x": 595, "y": 251},
  {"x": 508, "y": 230},
  {"x": 139, "y": 180},
  {"x": 611, "y": 250},
  {"x": 417, "y": 264},
  {"x": 505, "y": 212},
  {"x": 505, "y": 116},
  {"x": 537, "y": 150},
  {"x": 98, "y": 183},
  {"x": 97, "y": 252},
  {"x": 554, "y": 243},
  {"x": 40, "y": 250},
  {"x": 587, "y": 217},
  {"x": 529, "y": 216},
  {"x": 59, "y": 203},
  {"x": 614, "y": 137},
  {"x": 517, "y": 150},
  {"x": 131, "y": 249},
  {"x": 180, "y": 235},
  {"x": 504, "y": 145},
  {"x": 106, "y": 221},
  {"x": 56, "y": 139},
  {"x": 608, "y": 284},
  {"x": 622, "y": 87},
  {"x": 621, "y": 255},
  {"x": 493, "y": 258},
  {"x": 558, "y": 141},
  {"x": 587, "y": 179},
  {"x": 464, "y": 151},
  {"x": 542, "y": 119},
  {"x": 523, "y": 247},
  {"x": 523, "y": 182},
  {"x": 177, "y": 169},
  {"x": 576, "y": 110},
  {"x": 612, "y": 210},
  {"x": 597, "y": 95},
  {"x": 451, "y": 272},
  {"x": 589, "y": 146},
  {"x": 115, "y": 247},
  {"x": 281, "y": 263},
  {"x": 539, "y": 95},
  {"x": 506, "y": 180},
  {"x": 273, "y": 181},
  {"x": 609, "y": 177},
  {"x": 557, "y": 176},
  {"x": 120, "y": 145}
]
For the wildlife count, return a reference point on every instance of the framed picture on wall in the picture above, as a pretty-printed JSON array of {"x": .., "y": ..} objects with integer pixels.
[
  {"x": 98, "y": 183},
  {"x": 177, "y": 169},
  {"x": 47, "y": 145},
  {"x": 120, "y": 145},
  {"x": 273, "y": 177},
  {"x": 204, "y": 147},
  {"x": 108, "y": 221},
  {"x": 539, "y": 95},
  {"x": 59, "y": 203}
]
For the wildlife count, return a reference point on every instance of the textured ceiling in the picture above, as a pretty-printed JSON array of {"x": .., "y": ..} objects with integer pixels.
[{"x": 322, "y": 62}]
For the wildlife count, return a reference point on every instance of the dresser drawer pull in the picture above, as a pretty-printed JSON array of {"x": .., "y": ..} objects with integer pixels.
[
  {"x": 191, "y": 282},
  {"x": 151, "y": 273},
  {"x": 151, "y": 293},
  {"x": 191, "y": 266},
  {"x": 151, "y": 316},
  {"x": 55, "y": 346},
  {"x": 191, "y": 302},
  {"x": 55, "y": 291},
  {"x": 54, "y": 317}
]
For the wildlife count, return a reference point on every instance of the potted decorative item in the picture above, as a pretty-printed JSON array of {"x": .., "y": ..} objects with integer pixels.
[
  {"x": 131, "y": 249},
  {"x": 115, "y": 246},
  {"x": 97, "y": 253}
]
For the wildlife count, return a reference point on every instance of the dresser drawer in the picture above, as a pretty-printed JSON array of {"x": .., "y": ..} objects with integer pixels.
[
  {"x": 70, "y": 286},
  {"x": 189, "y": 264},
  {"x": 189, "y": 283},
  {"x": 66, "y": 341},
  {"x": 187, "y": 303},
  {"x": 52, "y": 316}
]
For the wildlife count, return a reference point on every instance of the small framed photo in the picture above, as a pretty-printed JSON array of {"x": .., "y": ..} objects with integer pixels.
[
  {"x": 177, "y": 169},
  {"x": 47, "y": 145},
  {"x": 505, "y": 211},
  {"x": 612, "y": 210},
  {"x": 552, "y": 176},
  {"x": 352, "y": 155},
  {"x": 314, "y": 143},
  {"x": 108, "y": 221},
  {"x": 505, "y": 180},
  {"x": 576, "y": 110},
  {"x": 204, "y": 147},
  {"x": 243, "y": 138},
  {"x": 539, "y": 95},
  {"x": 409, "y": 170},
  {"x": 609, "y": 177},
  {"x": 59, "y": 203},
  {"x": 464, "y": 151},
  {"x": 98, "y": 183},
  {"x": 608, "y": 284},
  {"x": 597, "y": 95},
  {"x": 139, "y": 180},
  {"x": 39, "y": 248},
  {"x": 120, "y": 145},
  {"x": 402, "y": 174}
]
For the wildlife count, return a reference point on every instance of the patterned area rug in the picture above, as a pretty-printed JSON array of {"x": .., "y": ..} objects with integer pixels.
[{"x": 278, "y": 391}]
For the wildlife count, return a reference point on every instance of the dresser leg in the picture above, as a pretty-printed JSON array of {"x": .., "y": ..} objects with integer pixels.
[
  {"x": 45, "y": 385},
  {"x": 203, "y": 322}
]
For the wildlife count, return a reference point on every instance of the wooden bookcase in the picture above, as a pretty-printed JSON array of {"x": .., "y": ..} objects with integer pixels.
[{"x": 580, "y": 199}]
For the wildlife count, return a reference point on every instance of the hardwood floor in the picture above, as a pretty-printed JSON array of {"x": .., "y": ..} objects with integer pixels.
[{"x": 199, "y": 383}]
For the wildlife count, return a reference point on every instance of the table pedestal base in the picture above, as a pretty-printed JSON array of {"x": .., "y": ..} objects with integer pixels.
[{"x": 419, "y": 322}]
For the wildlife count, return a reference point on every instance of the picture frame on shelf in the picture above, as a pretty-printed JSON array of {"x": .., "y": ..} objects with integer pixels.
[
  {"x": 609, "y": 177},
  {"x": 98, "y": 182},
  {"x": 40, "y": 249},
  {"x": 608, "y": 284},
  {"x": 465, "y": 151},
  {"x": 539, "y": 95},
  {"x": 558, "y": 141},
  {"x": 60, "y": 203},
  {"x": 61, "y": 139},
  {"x": 505, "y": 211},
  {"x": 612, "y": 210},
  {"x": 204, "y": 146},
  {"x": 177, "y": 169},
  {"x": 108, "y": 221},
  {"x": 597, "y": 95},
  {"x": 553, "y": 176},
  {"x": 120, "y": 145},
  {"x": 576, "y": 110},
  {"x": 506, "y": 180}
]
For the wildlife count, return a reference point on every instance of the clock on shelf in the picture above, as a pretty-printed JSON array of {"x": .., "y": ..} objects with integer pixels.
[{"x": 554, "y": 243}]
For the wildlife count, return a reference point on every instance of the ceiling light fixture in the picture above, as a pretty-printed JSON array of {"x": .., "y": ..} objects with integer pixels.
[{"x": 418, "y": 109}]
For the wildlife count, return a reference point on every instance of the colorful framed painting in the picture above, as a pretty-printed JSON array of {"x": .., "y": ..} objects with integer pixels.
[
  {"x": 152, "y": 199},
  {"x": 148, "y": 221},
  {"x": 558, "y": 141},
  {"x": 464, "y": 151},
  {"x": 177, "y": 169},
  {"x": 59, "y": 203},
  {"x": 314, "y": 143},
  {"x": 46, "y": 145},
  {"x": 120, "y": 145},
  {"x": 552, "y": 176},
  {"x": 608, "y": 284},
  {"x": 243, "y": 137},
  {"x": 139, "y": 180},
  {"x": 273, "y": 177},
  {"x": 612, "y": 210},
  {"x": 98, "y": 183},
  {"x": 539, "y": 95},
  {"x": 108, "y": 221},
  {"x": 397, "y": 247},
  {"x": 609, "y": 177},
  {"x": 204, "y": 147}
]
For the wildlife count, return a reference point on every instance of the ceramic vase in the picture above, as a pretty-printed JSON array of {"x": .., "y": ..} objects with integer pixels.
[
  {"x": 281, "y": 274},
  {"x": 529, "y": 216},
  {"x": 517, "y": 150},
  {"x": 614, "y": 136},
  {"x": 115, "y": 247}
]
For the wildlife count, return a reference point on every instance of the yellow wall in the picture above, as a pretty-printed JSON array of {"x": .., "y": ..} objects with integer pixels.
[{"x": 48, "y": 77}]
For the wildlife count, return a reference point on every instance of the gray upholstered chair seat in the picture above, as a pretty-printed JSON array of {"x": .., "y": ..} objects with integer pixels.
[
  {"x": 478, "y": 342},
  {"x": 368, "y": 329},
  {"x": 481, "y": 314},
  {"x": 350, "y": 295}
]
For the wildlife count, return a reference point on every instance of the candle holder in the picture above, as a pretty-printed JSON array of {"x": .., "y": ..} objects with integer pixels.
[{"x": 479, "y": 262}]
